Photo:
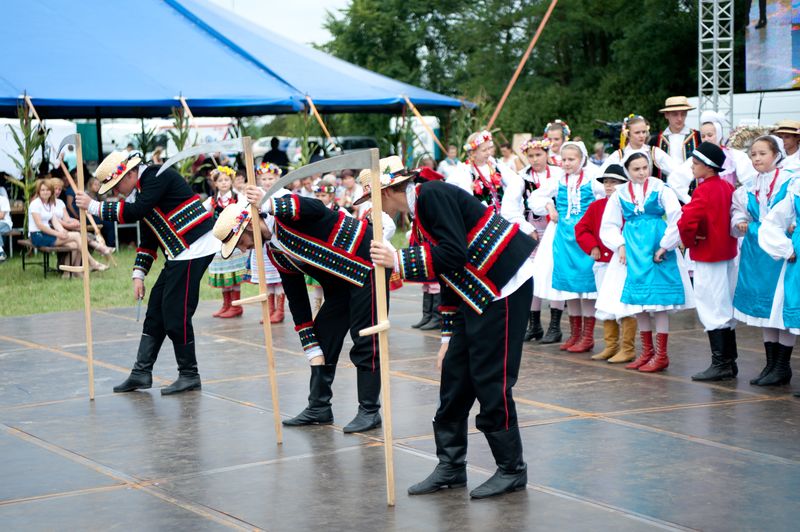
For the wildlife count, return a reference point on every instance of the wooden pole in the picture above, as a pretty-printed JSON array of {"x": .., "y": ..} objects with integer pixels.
[
  {"x": 247, "y": 144},
  {"x": 522, "y": 62},
  {"x": 87, "y": 303},
  {"x": 382, "y": 328},
  {"x": 190, "y": 116},
  {"x": 425, "y": 125},
  {"x": 319, "y": 120}
]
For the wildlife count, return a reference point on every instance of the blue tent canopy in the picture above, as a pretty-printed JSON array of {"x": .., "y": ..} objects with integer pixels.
[{"x": 132, "y": 59}]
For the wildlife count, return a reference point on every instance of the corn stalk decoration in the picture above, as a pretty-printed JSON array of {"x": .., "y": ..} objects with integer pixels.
[
  {"x": 28, "y": 139},
  {"x": 146, "y": 140},
  {"x": 181, "y": 138}
]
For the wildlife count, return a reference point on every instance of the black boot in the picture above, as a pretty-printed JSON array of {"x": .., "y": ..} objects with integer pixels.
[
  {"x": 188, "y": 377},
  {"x": 427, "y": 305},
  {"x": 436, "y": 316},
  {"x": 368, "y": 416},
  {"x": 771, "y": 350},
  {"x": 720, "y": 367},
  {"x": 782, "y": 372},
  {"x": 451, "y": 448},
  {"x": 318, "y": 411},
  {"x": 731, "y": 350},
  {"x": 535, "y": 331},
  {"x": 553, "y": 334},
  {"x": 512, "y": 472},
  {"x": 141, "y": 377}
]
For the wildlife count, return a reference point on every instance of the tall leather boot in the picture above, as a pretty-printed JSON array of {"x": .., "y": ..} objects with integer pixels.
[
  {"x": 627, "y": 350},
  {"x": 731, "y": 350},
  {"x": 720, "y": 367},
  {"x": 451, "y": 449},
  {"x": 586, "y": 341},
  {"x": 782, "y": 372},
  {"x": 188, "y": 377},
  {"x": 512, "y": 471},
  {"x": 575, "y": 331},
  {"x": 318, "y": 411},
  {"x": 535, "y": 331},
  {"x": 368, "y": 416},
  {"x": 648, "y": 351},
  {"x": 762, "y": 14},
  {"x": 611, "y": 339},
  {"x": 234, "y": 311},
  {"x": 280, "y": 304},
  {"x": 427, "y": 302},
  {"x": 771, "y": 350},
  {"x": 141, "y": 377},
  {"x": 553, "y": 334},
  {"x": 660, "y": 362},
  {"x": 436, "y": 316},
  {"x": 226, "y": 304}
]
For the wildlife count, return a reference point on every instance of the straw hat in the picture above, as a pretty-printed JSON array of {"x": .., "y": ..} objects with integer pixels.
[
  {"x": 791, "y": 127},
  {"x": 114, "y": 167},
  {"x": 676, "y": 103},
  {"x": 230, "y": 226},
  {"x": 392, "y": 173}
]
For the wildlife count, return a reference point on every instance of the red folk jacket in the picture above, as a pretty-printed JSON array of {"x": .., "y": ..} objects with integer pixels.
[
  {"x": 587, "y": 230},
  {"x": 705, "y": 223}
]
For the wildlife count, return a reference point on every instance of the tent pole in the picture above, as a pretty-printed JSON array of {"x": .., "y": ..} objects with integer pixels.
[
  {"x": 425, "y": 124},
  {"x": 98, "y": 126},
  {"x": 319, "y": 121},
  {"x": 522, "y": 62}
]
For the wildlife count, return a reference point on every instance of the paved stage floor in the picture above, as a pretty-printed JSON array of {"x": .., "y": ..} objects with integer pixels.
[{"x": 607, "y": 448}]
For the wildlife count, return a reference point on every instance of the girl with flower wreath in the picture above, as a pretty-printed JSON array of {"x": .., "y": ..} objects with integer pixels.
[
  {"x": 563, "y": 272},
  {"x": 225, "y": 274},
  {"x": 557, "y": 132},
  {"x": 635, "y": 133}
]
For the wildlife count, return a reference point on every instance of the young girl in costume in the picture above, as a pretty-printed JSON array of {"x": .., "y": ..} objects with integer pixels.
[
  {"x": 587, "y": 233},
  {"x": 225, "y": 274},
  {"x": 563, "y": 272},
  {"x": 759, "y": 297},
  {"x": 537, "y": 174},
  {"x": 635, "y": 132},
  {"x": 266, "y": 176},
  {"x": 557, "y": 132},
  {"x": 481, "y": 175},
  {"x": 649, "y": 277}
]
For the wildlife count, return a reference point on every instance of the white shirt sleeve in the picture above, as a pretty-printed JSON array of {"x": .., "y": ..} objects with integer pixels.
[
  {"x": 598, "y": 189},
  {"x": 512, "y": 207},
  {"x": 460, "y": 177},
  {"x": 772, "y": 233},
  {"x": 94, "y": 208},
  {"x": 745, "y": 173},
  {"x": 613, "y": 158},
  {"x": 680, "y": 180},
  {"x": 666, "y": 163},
  {"x": 543, "y": 196},
  {"x": 611, "y": 224},
  {"x": 672, "y": 237},
  {"x": 739, "y": 212}
]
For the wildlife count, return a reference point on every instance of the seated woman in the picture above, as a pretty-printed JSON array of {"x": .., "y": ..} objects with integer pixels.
[{"x": 71, "y": 224}]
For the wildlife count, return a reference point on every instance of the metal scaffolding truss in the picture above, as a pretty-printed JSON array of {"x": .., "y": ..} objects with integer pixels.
[{"x": 715, "y": 57}]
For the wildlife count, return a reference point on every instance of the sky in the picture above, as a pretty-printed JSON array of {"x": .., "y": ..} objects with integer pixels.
[{"x": 298, "y": 20}]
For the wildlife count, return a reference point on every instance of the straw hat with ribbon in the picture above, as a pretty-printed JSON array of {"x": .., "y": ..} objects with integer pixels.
[
  {"x": 392, "y": 173},
  {"x": 791, "y": 127},
  {"x": 676, "y": 103},
  {"x": 230, "y": 226},
  {"x": 114, "y": 167}
]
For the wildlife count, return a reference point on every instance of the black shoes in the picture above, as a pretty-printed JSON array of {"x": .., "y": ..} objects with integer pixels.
[
  {"x": 771, "y": 350},
  {"x": 427, "y": 306},
  {"x": 431, "y": 317},
  {"x": 318, "y": 411},
  {"x": 512, "y": 471},
  {"x": 135, "y": 381},
  {"x": 451, "y": 448},
  {"x": 141, "y": 377},
  {"x": 368, "y": 416},
  {"x": 781, "y": 372},
  {"x": 723, "y": 356},
  {"x": 535, "y": 331},
  {"x": 185, "y": 383},
  {"x": 553, "y": 334},
  {"x": 188, "y": 377}
]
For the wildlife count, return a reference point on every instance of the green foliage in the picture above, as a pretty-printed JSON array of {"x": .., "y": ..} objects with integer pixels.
[
  {"x": 145, "y": 140},
  {"x": 182, "y": 137},
  {"x": 28, "y": 139}
]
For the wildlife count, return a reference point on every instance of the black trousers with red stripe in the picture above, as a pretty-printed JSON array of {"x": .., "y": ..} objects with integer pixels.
[
  {"x": 482, "y": 362},
  {"x": 173, "y": 300}
]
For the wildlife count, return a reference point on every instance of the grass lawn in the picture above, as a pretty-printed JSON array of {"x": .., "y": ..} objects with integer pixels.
[{"x": 27, "y": 292}]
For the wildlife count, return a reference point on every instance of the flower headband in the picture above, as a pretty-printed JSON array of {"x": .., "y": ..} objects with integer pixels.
[
  {"x": 564, "y": 127},
  {"x": 269, "y": 168},
  {"x": 631, "y": 117},
  {"x": 483, "y": 136},
  {"x": 325, "y": 189},
  {"x": 535, "y": 144},
  {"x": 121, "y": 168},
  {"x": 227, "y": 170}
]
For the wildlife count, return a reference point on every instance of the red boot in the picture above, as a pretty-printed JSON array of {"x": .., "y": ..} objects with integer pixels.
[
  {"x": 660, "y": 362},
  {"x": 586, "y": 343},
  {"x": 575, "y": 323},
  {"x": 277, "y": 316},
  {"x": 234, "y": 311},
  {"x": 226, "y": 304},
  {"x": 647, "y": 351}
]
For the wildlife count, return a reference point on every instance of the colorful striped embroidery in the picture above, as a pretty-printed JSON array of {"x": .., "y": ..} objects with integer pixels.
[
  {"x": 169, "y": 229},
  {"x": 144, "y": 259},
  {"x": 488, "y": 239},
  {"x": 282, "y": 261},
  {"x": 448, "y": 320},
  {"x": 286, "y": 207},
  {"x": 111, "y": 211},
  {"x": 416, "y": 263},
  {"x": 477, "y": 291},
  {"x": 348, "y": 233},
  {"x": 307, "y": 337}
]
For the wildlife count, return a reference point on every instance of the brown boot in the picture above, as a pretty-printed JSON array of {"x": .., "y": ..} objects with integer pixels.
[
  {"x": 611, "y": 338},
  {"x": 575, "y": 323},
  {"x": 647, "y": 353},
  {"x": 226, "y": 304},
  {"x": 234, "y": 311},
  {"x": 277, "y": 317},
  {"x": 586, "y": 343},
  {"x": 627, "y": 351}
]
